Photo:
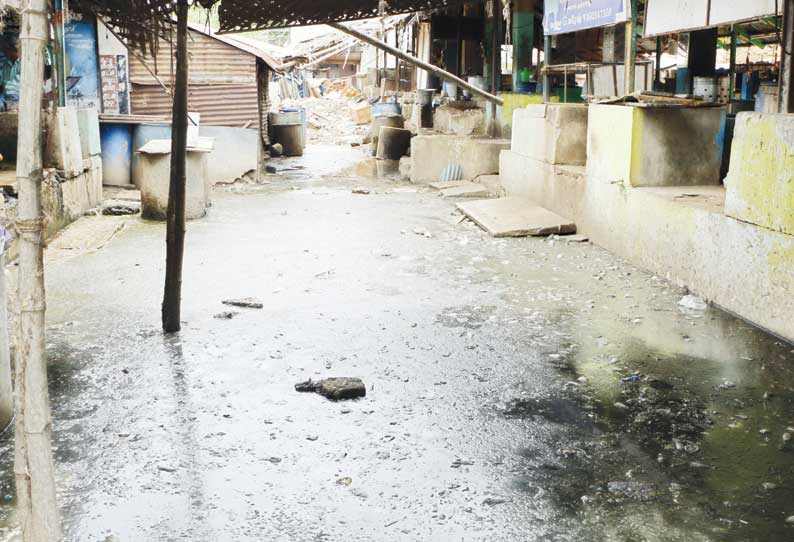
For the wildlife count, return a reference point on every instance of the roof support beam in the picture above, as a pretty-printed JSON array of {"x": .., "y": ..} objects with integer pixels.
[{"x": 435, "y": 70}]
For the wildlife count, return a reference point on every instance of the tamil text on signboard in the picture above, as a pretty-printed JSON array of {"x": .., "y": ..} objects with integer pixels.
[{"x": 562, "y": 16}]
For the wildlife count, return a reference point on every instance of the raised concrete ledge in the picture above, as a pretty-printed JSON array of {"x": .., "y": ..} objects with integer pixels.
[
  {"x": 654, "y": 147},
  {"x": 430, "y": 154},
  {"x": 553, "y": 133},
  {"x": 679, "y": 233},
  {"x": 761, "y": 179}
]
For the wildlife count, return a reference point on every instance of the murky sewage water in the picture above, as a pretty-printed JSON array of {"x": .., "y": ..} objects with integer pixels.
[{"x": 517, "y": 389}]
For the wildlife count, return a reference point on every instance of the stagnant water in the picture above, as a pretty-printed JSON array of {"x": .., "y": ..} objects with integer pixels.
[{"x": 518, "y": 390}]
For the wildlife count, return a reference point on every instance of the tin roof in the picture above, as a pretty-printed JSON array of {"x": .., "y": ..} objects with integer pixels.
[{"x": 239, "y": 16}]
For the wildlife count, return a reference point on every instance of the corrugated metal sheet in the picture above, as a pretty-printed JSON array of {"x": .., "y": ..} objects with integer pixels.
[
  {"x": 211, "y": 62},
  {"x": 219, "y": 105},
  {"x": 241, "y": 15}
]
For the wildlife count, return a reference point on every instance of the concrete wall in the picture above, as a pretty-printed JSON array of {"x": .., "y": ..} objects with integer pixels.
[
  {"x": 235, "y": 153},
  {"x": 747, "y": 270},
  {"x": 555, "y": 134},
  {"x": 654, "y": 147},
  {"x": 448, "y": 119},
  {"x": 431, "y": 154},
  {"x": 761, "y": 179}
]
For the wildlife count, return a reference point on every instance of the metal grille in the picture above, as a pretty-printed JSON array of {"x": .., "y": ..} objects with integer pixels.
[{"x": 238, "y": 16}]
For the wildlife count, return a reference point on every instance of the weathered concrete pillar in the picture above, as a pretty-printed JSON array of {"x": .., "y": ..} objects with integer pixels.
[
  {"x": 615, "y": 43},
  {"x": 523, "y": 32}
]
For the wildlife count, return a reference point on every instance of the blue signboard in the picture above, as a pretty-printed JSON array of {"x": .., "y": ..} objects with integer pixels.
[
  {"x": 563, "y": 16},
  {"x": 82, "y": 72}
]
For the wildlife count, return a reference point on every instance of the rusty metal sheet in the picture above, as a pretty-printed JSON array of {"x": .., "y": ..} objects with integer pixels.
[
  {"x": 219, "y": 105},
  {"x": 239, "y": 16}
]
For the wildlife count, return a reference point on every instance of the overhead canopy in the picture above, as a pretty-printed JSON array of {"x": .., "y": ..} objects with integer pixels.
[
  {"x": 144, "y": 22},
  {"x": 669, "y": 16},
  {"x": 243, "y": 15}
]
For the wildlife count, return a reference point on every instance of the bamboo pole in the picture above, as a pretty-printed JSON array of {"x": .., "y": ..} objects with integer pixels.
[
  {"x": 37, "y": 506},
  {"x": 6, "y": 389},
  {"x": 438, "y": 72},
  {"x": 172, "y": 296}
]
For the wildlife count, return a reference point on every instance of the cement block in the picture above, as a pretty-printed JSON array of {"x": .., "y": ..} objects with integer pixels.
[
  {"x": 556, "y": 134},
  {"x": 430, "y": 154},
  {"x": 645, "y": 147},
  {"x": 235, "y": 153},
  {"x": 450, "y": 119},
  {"x": 153, "y": 174},
  {"x": 361, "y": 113},
  {"x": 88, "y": 123},
  {"x": 66, "y": 144},
  {"x": 468, "y": 190},
  {"x": 760, "y": 183},
  {"x": 515, "y": 217}
]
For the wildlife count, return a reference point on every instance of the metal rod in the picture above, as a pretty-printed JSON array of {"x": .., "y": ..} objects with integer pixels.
[
  {"x": 732, "y": 82},
  {"x": 438, "y": 72},
  {"x": 631, "y": 51},
  {"x": 546, "y": 66}
]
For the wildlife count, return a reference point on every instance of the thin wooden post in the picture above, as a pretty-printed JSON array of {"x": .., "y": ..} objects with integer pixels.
[
  {"x": 630, "y": 79},
  {"x": 172, "y": 297},
  {"x": 37, "y": 506},
  {"x": 732, "y": 82},
  {"x": 496, "y": 64},
  {"x": 657, "y": 77},
  {"x": 786, "y": 101},
  {"x": 6, "y": 389}
]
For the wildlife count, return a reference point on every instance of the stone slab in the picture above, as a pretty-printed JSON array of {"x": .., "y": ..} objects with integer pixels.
[
  {"x": 555, "y": 134},
  {"x": 468, "y": 190},
  {"x": 444, "y": 185},
  {"x": 515, "y": 217}
]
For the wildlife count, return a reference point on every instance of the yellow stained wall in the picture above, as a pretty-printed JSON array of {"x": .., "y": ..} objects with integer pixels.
[{"x": 761, "y": 178}]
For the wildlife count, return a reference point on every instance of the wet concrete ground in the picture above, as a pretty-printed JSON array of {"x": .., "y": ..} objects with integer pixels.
[{"x": 518, "y": 389}]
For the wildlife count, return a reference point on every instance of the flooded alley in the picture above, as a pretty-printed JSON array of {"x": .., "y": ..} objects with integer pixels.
[{"x": 517, "y": 389}]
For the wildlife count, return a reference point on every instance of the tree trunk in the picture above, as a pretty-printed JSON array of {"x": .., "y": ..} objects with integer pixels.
[
  {"x": 33, "y": 467},
  {"x": 172, "y": 298}
]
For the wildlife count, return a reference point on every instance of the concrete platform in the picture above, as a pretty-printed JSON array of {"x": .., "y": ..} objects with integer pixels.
[
  {"x": 468, "y": 190},
  {"x": 680, "y": 233},
  {"x": 444, "y": 185},
  {"x": 430, "y": 154},
  {"x": 516, "y": 217}
]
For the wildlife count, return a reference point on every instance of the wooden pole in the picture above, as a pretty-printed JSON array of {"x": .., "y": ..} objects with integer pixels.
[
  {"x": 6, "y": 389},
  {"x": 172, "y": 297},
  {"x": 438, "y": 72},
  {"x": 786, "y": 101},
  {"x": 732, "y": 82},
  {"x": 496, "y": 64},
  {"x": 657, "y": 73},
  {"x": 630, "y": 80},
  {"x": 37, "y": 506}
]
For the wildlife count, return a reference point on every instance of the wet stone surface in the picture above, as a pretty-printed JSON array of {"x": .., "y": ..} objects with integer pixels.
[{"x": 517, "y": 389}]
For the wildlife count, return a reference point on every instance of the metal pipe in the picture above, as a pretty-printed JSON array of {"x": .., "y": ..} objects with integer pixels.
[
  {"x": 438, "y": 72},
  {"x": 546, "y": 65}
]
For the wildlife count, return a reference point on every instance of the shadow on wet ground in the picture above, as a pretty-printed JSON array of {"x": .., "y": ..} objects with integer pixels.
[{"x": 518, "y": 389}]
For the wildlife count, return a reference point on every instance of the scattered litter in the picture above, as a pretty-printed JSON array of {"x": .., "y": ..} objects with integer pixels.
[
  {"x": 493, "y": 501},
  {"x": 246, "y": 303},
  {"x": 577, "y": 238},
  {"x": 363, "y": 191},
  {"x": 693, "y": 302},
  {"x": 166, "y": 468},
  {"x": 271, "y": 169},
  {"x": 346, "y": 481},
  {"x": 336, "y": 389},
  {"x": 120, "y": 210},
  {"x": 458, "y": 463},
  {"x": 227, "y": 315}
]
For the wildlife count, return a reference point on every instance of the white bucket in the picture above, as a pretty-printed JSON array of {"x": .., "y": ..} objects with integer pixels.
[{"x": 708, "y": 88}]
